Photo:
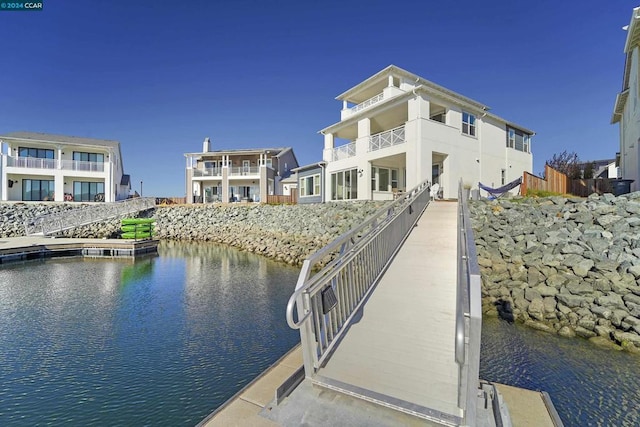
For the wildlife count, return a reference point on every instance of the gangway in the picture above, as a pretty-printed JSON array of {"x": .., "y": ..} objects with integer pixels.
[
  {"x": 358, "y": 342},
  {"x": 49, "y": 224}
]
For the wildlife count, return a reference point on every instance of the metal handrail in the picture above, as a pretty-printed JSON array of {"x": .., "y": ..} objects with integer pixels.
[
  {"x": 468, "y": 310},
  {"x": 56, "y": 222},
  {"x": 353, "y": 264}
]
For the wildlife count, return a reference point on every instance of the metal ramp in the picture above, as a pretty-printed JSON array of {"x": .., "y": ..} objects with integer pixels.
[
  {"x": 413, "y": 345},
  {"x": 49, "y": 224}
]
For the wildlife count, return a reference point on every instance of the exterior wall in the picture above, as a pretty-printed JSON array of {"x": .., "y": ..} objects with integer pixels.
[
  {"x": 310, "y": 172},
  {"x": 630, "y": 130}
]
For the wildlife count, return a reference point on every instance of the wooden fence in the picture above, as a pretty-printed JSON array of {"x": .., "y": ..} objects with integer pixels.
[
  {"x": 557, "y": 182},
  {"x": 283, "y": 200}
]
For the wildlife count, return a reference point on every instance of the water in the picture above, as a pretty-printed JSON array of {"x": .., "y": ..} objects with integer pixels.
[
  {"x": 167, "y": 339},
  {"x": 162, "y": 341},
  {"x": 589, "y": 386}
]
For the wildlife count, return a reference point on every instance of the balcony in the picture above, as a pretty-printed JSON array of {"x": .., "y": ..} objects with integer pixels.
[
  {"x": 244, "y": 171},
  {"x": 363, "y": 105},
  {"x": 386, "y": 139},
  {"x": 37, "y": 163},
  {"x": 207, "y": 172},
  {"x": 343, "y": 152}
]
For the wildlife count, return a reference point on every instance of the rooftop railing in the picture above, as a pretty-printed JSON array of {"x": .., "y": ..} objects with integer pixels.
[
  {"x": 54, "y": 223},
  {"x": 335, "y": 281},
  {"x": 368, "y": 103}
]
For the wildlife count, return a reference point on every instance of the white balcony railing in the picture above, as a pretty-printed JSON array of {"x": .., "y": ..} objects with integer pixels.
[
  {"x": 207, "y": 172},
  {"x": 78, "y": 165},
  {"x": 245, "y": 170},
  {"x": 343, "y": 152},
  {"x": 36, "y": 163},
  {"x": 368, "y": 103},
  {"x": 386, "y": 139}
]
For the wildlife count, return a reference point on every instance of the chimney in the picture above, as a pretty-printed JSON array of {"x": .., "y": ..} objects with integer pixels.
[{"x": 206, "y": 145}]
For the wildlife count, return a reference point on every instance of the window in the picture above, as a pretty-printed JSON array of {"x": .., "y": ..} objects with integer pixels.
[
  {"x": 468, "y": 124},
  {"x": 88, "y": 157},
  {"x": 518, "y": 140},
  {"x": 88, "y": 191},
  {"x": 39, "y": 153},
  {"x": 383, "y": 179},
  {"x": 503, "y": 176},
  {"x": 310, "y": 185},
  {"x": 37, "y": 190},
  {"x": 344, "y": 185}
]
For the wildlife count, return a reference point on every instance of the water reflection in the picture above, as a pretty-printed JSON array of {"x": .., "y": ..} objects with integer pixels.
[{"x": 162, "y": 340}]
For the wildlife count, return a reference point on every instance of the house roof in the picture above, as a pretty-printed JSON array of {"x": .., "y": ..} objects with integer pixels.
[
  {"x": 69, "y": 140},
  {"x": 419, "y": 81},
  {"x": 243, "y": 151},
  {"x": 309, "y": 166},
  {"x": 633, "y": 40},
  {"x": 421, "y": 85}
]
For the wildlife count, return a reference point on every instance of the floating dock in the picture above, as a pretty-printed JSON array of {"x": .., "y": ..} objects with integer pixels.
[{"x": 30, "y": 248}]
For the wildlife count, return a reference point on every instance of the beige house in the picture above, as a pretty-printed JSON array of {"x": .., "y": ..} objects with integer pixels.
[{"x": 243, "y": 175}]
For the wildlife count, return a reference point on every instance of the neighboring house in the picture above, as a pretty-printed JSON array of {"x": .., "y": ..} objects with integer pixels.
[
  {"x": 237, "y": 175},
  {"x": 42, "y": 167},
  {"x": 290, "y": 184},
  {"x": 626, "y": 111},
  {"x": 600, "y": 168},
  {"x": 311, "y": 183},
  {"x": 398, "y": 129}
]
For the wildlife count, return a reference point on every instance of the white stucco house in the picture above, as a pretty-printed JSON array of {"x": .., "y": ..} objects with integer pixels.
[
  {"x": 237, "y": 175},
  {"x": 46, "y": 167},
  {"x": 397, "y": 129},
  {"x": 626, "y": 111}
]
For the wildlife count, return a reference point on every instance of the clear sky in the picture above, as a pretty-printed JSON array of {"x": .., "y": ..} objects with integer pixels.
[{"x": 160, "y": 76}]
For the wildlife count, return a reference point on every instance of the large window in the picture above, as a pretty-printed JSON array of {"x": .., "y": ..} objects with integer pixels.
[
  {"x": 344, "y": 185},
  {"x": 384, "y": 179},
  {"x": 39, "y": 153},
  {"x": 310, "y": 185},
  {"x": 518, "y": 140},
  {"x": 468, "y": 124},
  {"x": 88, "y": 191},
  {"x": 88, "y": 157},
  {"x": 37, "y": 190}
]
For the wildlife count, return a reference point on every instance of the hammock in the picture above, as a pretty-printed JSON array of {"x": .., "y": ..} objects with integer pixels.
[{"x": 500, "y": 191}]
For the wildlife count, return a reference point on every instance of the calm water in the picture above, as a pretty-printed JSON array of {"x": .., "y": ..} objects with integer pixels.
[
  {"x": 167, "y": 339},
  {"x": 162, "y": 341}
]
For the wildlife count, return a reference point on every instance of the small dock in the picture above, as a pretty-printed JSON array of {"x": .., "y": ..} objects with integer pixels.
[{"x": 14, "y": 249}]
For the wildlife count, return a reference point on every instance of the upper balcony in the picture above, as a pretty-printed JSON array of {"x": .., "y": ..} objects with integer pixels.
[
  {"x": 387, "y": 93},
  {"x": 378, "y": 141},
  {"x": 387, "y": 139},
  {"x": 235, "y": 171},
  {"x": 39, "y": 163}
]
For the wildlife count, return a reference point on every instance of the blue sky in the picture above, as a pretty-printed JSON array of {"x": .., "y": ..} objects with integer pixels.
[{"x": 159, "y": 76}]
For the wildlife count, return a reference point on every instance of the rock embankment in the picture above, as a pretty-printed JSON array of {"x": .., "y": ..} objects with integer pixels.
[
  {"x": 568, "y": 266},
  {"x": 287, "y": 233}
]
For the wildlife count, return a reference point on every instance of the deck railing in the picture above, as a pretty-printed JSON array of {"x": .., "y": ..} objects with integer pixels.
[
  {"x": 368, "y": 103},
  {"x": 344, "y": 151},
  {"x": 468, "y": 312},
  {"x": 244, "y": 170},
  {"x": 327, "y": 300},
  {"x": 386, "y": 139},
  {"x": 207, "y": 172},
  {"x": 38, "y": 163},
  {"x": 57, "y": 222}
]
